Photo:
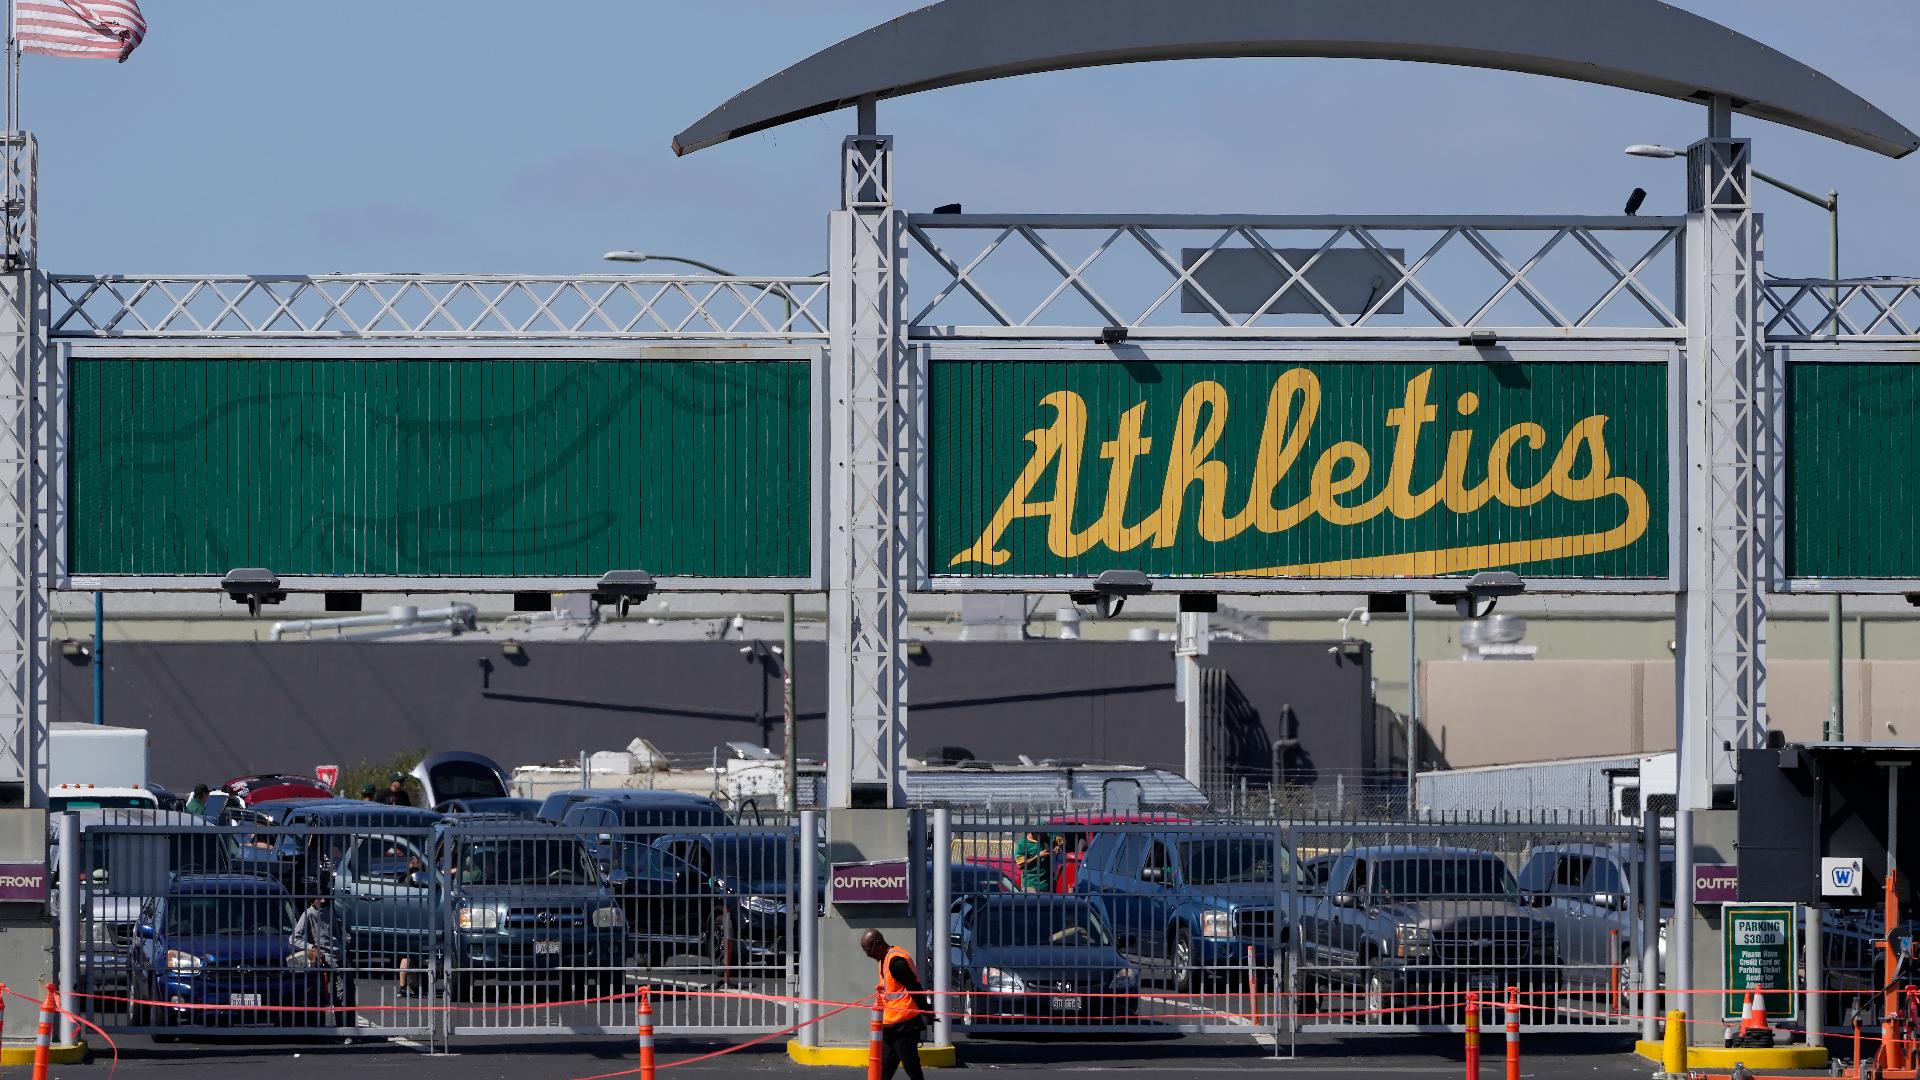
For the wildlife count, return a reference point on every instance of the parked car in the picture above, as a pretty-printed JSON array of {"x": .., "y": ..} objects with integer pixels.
[
  {"x": 122, "y": 873},
  {"x": 530, "y": 908},
  {"x": 319, "y": 833},
  {"x": 1028, "y": 958},
  {"x": 1190, "y": 903},
  {"x": 222, "y": 939},
  {"x": 757, "y": 871},
  {"x": 635, "y": 817},
  {"x": 458, "y": 774},
  {"x": 969, "y": 878},
  {"x": 269, "y": 787},
  {"x": 1587, "y": 892},
  {"x": 672, "y": 908},
  {"x": 502, "y": 807},
  {"x": 1423, "y": 921},
  {"x": 667, "y": 809}
]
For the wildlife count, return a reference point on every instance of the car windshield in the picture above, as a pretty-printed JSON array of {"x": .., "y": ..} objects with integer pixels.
[
  {"x": 58, "y": 803},
  {"x": 1231, "y": 860},
  {"x": 980, "y": 879},
  {"x": 650, "y": 863},
  {"x": 1071, "y": 923},
  {"x": 752, "y": 858},
  {"x": 528, "y": 861},
  {"x": 229, "y": 916},
  {"x": 465, "y": 780},
  {"x": 1414, "y": 879},
  {"x": 667, "y": 818}
]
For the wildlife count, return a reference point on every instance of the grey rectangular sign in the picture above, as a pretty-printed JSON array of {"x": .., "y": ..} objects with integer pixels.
[{"x": 1241, "y": 279}]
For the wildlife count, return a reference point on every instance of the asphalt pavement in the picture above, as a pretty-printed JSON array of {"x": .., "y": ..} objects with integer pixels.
[{"x": 1355, "y": 1058}]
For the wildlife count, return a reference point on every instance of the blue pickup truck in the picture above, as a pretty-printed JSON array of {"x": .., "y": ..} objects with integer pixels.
[{"x": 1191, "y": 903}]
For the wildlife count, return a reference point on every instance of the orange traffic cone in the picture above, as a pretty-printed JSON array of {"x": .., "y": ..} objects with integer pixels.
[{"x": 1754, "y": 1031}]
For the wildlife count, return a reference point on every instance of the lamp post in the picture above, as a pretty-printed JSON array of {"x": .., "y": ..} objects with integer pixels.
[
  {"x": 1836, "y": 718},
  {"x": 786, "y": 656}
]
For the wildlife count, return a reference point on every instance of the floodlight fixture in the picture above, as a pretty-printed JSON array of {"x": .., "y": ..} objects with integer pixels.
[
  {"x": 623, "y": 588},
  {"x": 253, "y": 586}
]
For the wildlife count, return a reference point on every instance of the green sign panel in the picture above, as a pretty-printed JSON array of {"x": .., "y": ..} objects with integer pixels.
[
  {"x": 1853, "y": 468},
  {"x": 1760, "y": 945},
  {"x": 1362, "y": 467},
  {"x": 441, "y": 468}
]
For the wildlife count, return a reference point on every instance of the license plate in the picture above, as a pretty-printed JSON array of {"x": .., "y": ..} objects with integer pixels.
[
  {"x": 252, "y": 1000},
  {"x": 546, "y": 948},
  {"x": 1066, "y": 1004}
]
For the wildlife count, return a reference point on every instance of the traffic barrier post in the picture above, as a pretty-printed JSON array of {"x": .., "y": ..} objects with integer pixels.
[
  {"x": 1674, "y": 1061},
  {"x": 873, "y": 1038},
  {"x": 1613, "y": 973},
  {"x": 1513, "y": 1033},
  {"x": 43, "y": 1038},
  {"x": 646, "y": 1036},
  {"x": 1473, "y": 1035}
]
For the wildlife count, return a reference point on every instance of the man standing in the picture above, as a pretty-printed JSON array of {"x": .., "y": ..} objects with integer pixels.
[
  {"x": 396, "y": 793},
  {"x": 197, "y": 805},
  {"x": 903, "y": 1006},
  {"x": 1033, "y": 861}
]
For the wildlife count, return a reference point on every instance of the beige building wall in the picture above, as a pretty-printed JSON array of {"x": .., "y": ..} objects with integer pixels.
[{"x": 1501, "y": 712}]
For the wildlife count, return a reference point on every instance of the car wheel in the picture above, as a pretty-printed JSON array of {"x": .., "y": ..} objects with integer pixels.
[
  {"x": 459, "y": 988},
  {"x": 1376, "y": 997},
  {"x": 1627, "y": 974},
  {"x": 718, "y": 934},
  {"x": 1186, "y": 976}
]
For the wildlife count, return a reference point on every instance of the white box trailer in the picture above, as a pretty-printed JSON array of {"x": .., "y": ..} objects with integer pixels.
[
  {"x": 1600, "y": 789},
  {"x": 97, "y": 754}
]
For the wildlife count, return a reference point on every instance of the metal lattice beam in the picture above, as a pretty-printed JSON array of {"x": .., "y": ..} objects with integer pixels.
[
  {"x": 25, "y": 491},
  {"x": 1730, "y": 497},
  {"x": 872, "y": 490},
  {"x": 1599, "y": 278},
  {"x": 438, "y": 306},
  {"x": 1870, "y": 309}
]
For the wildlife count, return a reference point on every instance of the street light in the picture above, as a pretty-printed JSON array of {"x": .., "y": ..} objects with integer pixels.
[
  {"x": 786, "y": 653},
  {"x": 1836, "y": 726}
]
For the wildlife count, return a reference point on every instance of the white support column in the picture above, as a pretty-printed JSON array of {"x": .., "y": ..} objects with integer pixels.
[
  {"x": 1721, "y": 683},
  {"x": 25, "y": 494},
  {"x": 1190, "y": 645},
  {"x": 870, "y": 438}
]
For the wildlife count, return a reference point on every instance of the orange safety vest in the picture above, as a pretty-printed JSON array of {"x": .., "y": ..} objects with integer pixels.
[{"x": 896, "y": 1004}]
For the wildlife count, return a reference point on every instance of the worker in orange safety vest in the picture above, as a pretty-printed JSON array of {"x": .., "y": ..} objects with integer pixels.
[{"x": 903, "y": 1007}]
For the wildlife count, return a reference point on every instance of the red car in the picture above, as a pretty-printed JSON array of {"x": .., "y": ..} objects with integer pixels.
[
  {"x": 1066, "y": 869},
  {"x": 248, "y": 790}
]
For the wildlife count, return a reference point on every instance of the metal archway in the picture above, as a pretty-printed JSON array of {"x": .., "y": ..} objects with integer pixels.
[{"x": 1641, "y": 45}]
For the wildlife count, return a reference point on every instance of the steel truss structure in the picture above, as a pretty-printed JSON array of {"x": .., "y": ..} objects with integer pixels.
[
  {"x": 1072, "y": 275},
  {"x": 1869, "y": 309}
]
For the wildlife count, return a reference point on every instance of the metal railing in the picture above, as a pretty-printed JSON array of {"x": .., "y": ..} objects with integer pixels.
[
  {"x": 437, "y": 306},
  {"x": 1169, "y": 276},
  {"x": 473, "y": 927},
  {"x": 1162, "y": 923}
]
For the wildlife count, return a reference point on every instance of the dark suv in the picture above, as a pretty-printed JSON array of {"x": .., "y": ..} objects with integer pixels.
[
  {"x": 1189, "y": 901},
  {"x": 530, "y": 905}
]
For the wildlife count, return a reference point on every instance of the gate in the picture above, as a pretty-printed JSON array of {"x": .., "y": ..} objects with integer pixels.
[
  {"x": 467, "y": 927},
  {"x": 1394, "y": 924},
  {"x": 1160, "y": 923}
]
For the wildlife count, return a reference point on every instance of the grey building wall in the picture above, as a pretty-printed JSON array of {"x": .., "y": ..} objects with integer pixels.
[{"x": 217, "y": 710}]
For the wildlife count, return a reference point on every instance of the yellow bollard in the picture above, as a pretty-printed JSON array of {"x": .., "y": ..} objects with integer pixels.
[{"x": 1675, "y": 1058}]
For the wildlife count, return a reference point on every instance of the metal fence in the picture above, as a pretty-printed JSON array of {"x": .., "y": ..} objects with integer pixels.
[
  {"x": 1165, "y": 923},
  {"x": 461, "y": 927}
]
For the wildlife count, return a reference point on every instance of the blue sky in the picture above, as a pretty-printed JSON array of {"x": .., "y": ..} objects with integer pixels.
[{"x": 484, "y": 135}]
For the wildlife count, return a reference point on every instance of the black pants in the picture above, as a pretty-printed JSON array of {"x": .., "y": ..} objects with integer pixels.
[{"x": 900, "y": 1048}]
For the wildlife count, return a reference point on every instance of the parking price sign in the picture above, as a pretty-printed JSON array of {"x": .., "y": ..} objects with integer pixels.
[{"x": 1760, "y": 946}]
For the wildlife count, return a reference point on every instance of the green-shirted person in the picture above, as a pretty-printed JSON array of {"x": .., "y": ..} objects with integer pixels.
[{"x": 1033, "y": 861}]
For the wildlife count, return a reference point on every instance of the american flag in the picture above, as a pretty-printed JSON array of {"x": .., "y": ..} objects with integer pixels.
[{"x": 94, "y": 29}]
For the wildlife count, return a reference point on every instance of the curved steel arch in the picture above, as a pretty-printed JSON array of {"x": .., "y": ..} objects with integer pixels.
[{"x": 1639, "y": 45}]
